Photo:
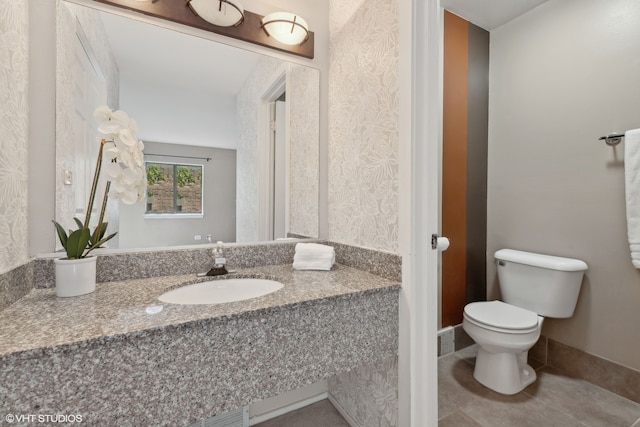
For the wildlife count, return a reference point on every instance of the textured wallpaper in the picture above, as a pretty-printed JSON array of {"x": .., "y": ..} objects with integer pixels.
[
  {"x": 303, "y": 98},
  {"x": 14, "y": 125},
  {"x": 369, "y": 395},
  {"x": 304, "y": 149},
  {"x": 68, "y": 17},
  {"x": 363, "y": 123},
  {"x": 248, "y": 160},
  {"x": 363, "y": 170}
]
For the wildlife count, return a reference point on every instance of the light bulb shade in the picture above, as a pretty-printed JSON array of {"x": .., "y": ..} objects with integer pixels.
[
  {"x": 285, "y": 27},
  {"x": 222, "y": 13}
]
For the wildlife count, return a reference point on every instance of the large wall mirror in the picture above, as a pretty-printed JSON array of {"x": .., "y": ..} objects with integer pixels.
[{"x": 249, "y": 122}]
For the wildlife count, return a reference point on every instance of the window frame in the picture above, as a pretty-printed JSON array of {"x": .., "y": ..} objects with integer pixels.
[{"x": 175, "y": 214}]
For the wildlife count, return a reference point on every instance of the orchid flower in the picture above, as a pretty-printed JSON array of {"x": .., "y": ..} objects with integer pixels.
[{"x": 127, "y": 178}]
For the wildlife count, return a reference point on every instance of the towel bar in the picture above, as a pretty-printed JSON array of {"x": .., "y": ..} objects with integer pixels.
[{"x": 612, "y": 139}]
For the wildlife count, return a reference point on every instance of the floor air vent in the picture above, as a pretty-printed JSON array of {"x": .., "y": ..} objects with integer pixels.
[
  {"x": 446, "y": 341},
  {"x": 236, "y": 418}
]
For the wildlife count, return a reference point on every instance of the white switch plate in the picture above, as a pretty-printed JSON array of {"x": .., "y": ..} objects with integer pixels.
[{"x": 68, "y": 177}]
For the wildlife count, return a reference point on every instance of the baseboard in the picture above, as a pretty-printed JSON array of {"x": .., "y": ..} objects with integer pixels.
[
  {"x": 460, "y": 340},
  {"x": 604, "y": 373},
  {"x": 343, "y": 412},
  {"x": 463, "y": 340},
  {"x": 289, "y": 408}
]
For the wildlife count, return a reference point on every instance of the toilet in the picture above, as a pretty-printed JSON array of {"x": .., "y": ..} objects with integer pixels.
[{"x": 533, "y": 286}]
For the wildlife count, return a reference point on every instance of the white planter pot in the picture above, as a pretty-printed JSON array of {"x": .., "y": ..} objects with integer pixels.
[{"x": 75, "y": 276}]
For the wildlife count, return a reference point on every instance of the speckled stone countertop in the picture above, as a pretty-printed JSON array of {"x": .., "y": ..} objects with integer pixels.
[
  {"x": 41, "y": 321},
  {"x": 114, "y": 356}
]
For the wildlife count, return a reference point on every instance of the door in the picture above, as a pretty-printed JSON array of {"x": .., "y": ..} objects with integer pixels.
[
  {"x": 89, "y": 93},
  {"x": 280, "y": 172},
  {"x": 419, "y": 297}
]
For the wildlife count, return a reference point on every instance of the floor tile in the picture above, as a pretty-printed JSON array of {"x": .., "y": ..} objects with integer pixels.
[
  {"x": 555, "y": 399},
  {"x": 486, "y": 407},
  {"x": 468, "y": 354},
  {"x": 606, "y": 374},
  {"x": 320, "y": 414},
  {"x": 458, "y": 419},
  {"x": 445, "y": 407},
  {"x": 520, "y": 410},
  {"x": 587, "y": 403}
]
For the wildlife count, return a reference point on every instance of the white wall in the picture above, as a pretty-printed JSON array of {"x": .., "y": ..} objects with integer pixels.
[
  {"x": 68, "y": 17},
  {"x": 219, "y": 204},
  {"x": 561, "y": 76},
  {"x": 177, "y": 116}
]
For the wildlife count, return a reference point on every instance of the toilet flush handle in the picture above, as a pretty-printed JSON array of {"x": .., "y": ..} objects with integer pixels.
[{"x": 439, "y": 243}]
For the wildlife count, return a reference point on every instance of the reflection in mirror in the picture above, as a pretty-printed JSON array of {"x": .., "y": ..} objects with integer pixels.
[{"x": 250, "y": 121}]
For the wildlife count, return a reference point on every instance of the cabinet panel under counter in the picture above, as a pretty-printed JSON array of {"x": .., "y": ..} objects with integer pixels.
[{"x": 119, "y": 356}]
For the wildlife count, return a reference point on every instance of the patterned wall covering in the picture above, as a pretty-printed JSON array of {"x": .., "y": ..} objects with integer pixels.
[
  {"x": 14, "y": 123},
  {"x": 303, "y": 96},
  {"x": 67, "y": 19},
  {"x": 304, "y": 104},
  {"x": 363, "y": 123},
  {"x": 247, "y": 159},
  {"x": 368, "y": 395},
  {"x": 363, "y": 169}
]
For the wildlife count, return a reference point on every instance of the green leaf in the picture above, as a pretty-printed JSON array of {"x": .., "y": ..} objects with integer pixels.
[
  {"x": 77, "y": 243},
  {"x": 78, "y": 222},
  {"x": 98, "y": 233},
  {"x": 104, "y": 229},
  {"x": 62, "y": 235},
  {"x": 100, "y": 242}
]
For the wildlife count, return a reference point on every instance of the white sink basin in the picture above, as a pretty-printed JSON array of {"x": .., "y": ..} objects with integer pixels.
[{"x": 221, "y": 291}]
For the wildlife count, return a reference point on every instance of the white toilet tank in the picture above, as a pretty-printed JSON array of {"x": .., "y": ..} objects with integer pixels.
[{"x": 545, "y": 284}]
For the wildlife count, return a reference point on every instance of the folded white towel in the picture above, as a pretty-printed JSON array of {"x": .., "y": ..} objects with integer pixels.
[
  {"x": 312, "y": 265},
  {"x": 632, "y": 189},
  {"x": 314, "y": 257},
  {"x": 313, "y": 248}
]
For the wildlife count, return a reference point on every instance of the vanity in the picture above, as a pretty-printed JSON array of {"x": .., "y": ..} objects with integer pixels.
[{"x": 120, "y": 356}]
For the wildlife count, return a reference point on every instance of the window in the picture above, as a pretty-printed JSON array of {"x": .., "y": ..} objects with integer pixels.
[{"x": 174, "y": 188}]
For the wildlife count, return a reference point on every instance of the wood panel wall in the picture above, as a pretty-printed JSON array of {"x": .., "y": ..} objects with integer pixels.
[{"x": 464, "y": 168}]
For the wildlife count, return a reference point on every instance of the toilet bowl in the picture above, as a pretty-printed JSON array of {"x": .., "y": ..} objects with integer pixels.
[
  {"x": 504, "y": 334},
  {"x": 533, "y": 286}
]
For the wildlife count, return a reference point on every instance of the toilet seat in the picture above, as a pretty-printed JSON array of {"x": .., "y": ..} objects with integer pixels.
[{"x": 501, "y": 317}]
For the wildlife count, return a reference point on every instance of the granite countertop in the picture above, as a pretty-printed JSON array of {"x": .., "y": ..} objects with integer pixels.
[{"x": 40, "y": 322}]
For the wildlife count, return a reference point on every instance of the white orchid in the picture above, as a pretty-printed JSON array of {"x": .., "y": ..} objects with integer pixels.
[
  {"x": 126, "y": 171},
  {"x": 127, "y": 179},
  {"x": 126, "y": 183}
]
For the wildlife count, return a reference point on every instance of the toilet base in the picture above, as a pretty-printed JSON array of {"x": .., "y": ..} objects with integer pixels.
[{"x": 506, "y": 373}]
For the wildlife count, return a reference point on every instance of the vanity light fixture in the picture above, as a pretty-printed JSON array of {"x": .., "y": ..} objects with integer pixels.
[
  {"x": 285, "y": 27},
  {"x": 223, "y": 13},
  {"x": 281, "y": 31}
]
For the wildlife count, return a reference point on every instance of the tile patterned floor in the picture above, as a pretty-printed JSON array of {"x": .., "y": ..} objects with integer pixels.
[
  {"x": 555, "y": 399},
  {"x": 320, "y": 414}
]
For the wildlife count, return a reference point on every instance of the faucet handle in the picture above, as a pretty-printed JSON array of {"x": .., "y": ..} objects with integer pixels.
[{"x": 218, "y": 256}]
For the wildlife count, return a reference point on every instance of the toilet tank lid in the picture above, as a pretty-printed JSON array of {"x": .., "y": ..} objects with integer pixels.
[{"x": 539, "y": 260}]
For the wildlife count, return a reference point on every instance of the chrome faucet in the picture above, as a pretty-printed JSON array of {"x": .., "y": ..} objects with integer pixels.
[{"x": 219, "y": 262}]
